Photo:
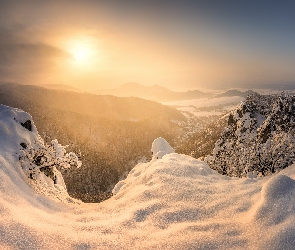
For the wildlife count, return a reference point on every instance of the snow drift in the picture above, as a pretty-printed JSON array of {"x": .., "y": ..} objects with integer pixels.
[{"x": 176, "y": 202}]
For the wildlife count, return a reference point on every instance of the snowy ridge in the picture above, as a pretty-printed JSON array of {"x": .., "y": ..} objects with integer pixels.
[
  {"x": 259, "y": 137},
  {"x": 176, "y": 202}
]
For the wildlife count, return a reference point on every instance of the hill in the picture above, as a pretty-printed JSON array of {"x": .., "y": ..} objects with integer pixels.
[
  {"x": 103, "y": 106},
  {"x": 108, "y": 133},
  {"x": 234, "y": 92}
]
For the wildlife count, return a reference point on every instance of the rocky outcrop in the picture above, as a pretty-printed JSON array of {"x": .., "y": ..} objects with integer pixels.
[{"x": 259, "y": 137}]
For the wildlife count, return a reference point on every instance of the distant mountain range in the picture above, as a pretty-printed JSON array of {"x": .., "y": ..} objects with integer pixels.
[{"x": 154, "y": 92}]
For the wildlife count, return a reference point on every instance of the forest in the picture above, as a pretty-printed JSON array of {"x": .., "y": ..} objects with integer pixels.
[{"x": 109, "y": 134}]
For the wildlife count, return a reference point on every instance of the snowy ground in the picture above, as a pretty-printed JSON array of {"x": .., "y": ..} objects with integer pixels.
[{"x": 176, "y": 202}]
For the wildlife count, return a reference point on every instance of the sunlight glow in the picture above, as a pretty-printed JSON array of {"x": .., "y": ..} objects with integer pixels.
[
  {"x": 84, "y": 62},
  {"x": 81, "y": 52}
]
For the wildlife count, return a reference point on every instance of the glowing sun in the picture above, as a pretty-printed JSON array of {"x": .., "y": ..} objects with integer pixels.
[
  {"x": 85, "y": 54},
  {"x": 82, "y": 52}
]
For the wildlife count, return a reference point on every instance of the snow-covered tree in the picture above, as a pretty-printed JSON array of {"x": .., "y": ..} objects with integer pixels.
[
  {"x": 259, "y": 137},
  {"x": 48, "y": 159}
]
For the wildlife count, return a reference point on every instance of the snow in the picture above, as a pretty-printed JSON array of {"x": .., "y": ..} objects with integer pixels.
[
  {"x": 176, "y": 202},
  {"x": 220, "y": 104},
  {"x": 206, "y": 102},
  {"x": 16, "y": 160},
  {"x": 161, "y": 147}
]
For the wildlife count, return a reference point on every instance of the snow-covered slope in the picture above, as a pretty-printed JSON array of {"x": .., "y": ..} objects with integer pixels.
[{"x": 176, "y": 202}]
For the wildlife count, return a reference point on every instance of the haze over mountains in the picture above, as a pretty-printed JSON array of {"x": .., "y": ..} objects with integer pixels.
[{"x": 153, "y": 92}]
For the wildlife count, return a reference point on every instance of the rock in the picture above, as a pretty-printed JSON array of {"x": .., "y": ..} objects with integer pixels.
[
  {"x": 161, "y": 147},
  {"x": 27, "y": 124}
]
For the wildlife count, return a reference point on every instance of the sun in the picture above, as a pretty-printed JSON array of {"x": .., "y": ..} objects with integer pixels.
[
  {"x": 82, "y": 52},
  {"x": 85, "y": 54}
]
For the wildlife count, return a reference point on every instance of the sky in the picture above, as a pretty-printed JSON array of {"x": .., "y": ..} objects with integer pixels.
[{"x": 177, "y": 44}]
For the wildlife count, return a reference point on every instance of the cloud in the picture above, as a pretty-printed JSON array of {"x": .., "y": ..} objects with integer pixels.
[
  {"x": 20, "y": 60},
  {"x": 188, "y": 43}
]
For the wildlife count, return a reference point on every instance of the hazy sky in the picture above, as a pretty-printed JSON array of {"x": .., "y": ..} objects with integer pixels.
[{"x": 177, "y": 44}]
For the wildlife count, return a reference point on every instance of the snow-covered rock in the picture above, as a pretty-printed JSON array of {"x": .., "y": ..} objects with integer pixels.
[
  {"x": 161, "y": 147},
  {"x": 259, "y": 137},
  {"x": 29, "y": 161}
]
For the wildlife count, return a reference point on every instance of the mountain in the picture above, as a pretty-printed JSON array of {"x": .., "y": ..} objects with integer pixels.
[
  {"x": 104, "y": 106},
  {"x": 259, "y": 138},
  {"x": 108, "y": 133},
  {"x": 234, "y": 92},
  {"x": 178, "y": 200},
  {"x": 155, "y": 92}
]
